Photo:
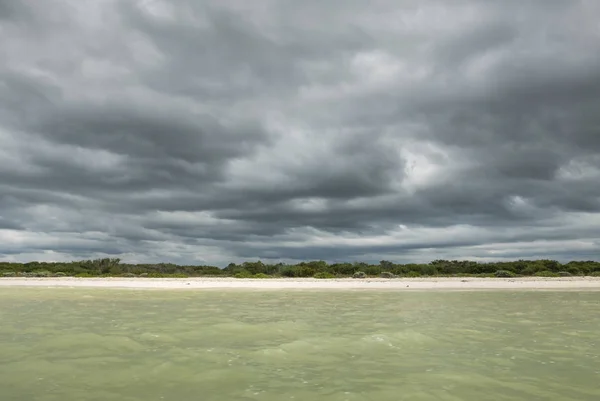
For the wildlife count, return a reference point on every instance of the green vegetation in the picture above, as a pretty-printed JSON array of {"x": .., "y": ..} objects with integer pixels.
[
  {"x": 546, "y": 273},
  {"x": 262, "y": 275},
  {"x": 318, "y": 269},
  {"x": 505, "y": 274},
  {"x": 324, "y": 275}
]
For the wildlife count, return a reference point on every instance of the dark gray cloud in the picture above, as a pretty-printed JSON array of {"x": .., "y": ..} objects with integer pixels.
[{"x": 217, "y": 131}]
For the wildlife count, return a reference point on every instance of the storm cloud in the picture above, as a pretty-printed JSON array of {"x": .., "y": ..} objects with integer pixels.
[{"x": 219, "y": 131}]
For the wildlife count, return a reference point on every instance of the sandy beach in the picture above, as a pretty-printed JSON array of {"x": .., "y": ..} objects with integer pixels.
[{"x": 434, "y": 283}]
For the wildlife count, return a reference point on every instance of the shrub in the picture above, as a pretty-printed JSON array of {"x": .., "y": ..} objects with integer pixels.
[
  {"x": 324, "y": 275},
  {"x": 42, "y": 273},
  {"x": 261, "y": 275},
  {"x": 528, "y": 271},
  {"x": 565, "y": 274},
  {"x": 127, "y": 275},
  {"x": 165, "y": 275},
  {"x": 372, "y": 270},
  {"x": 60, "y": 274},
  {"x": 83, "y": 275},
  {"x": 141, "y": 275},
  {"x": 387, "y": 275},
  {"x": 359, "y": 275},
  {"x": 243, "y": 274},
  {"x": 286, "y": 271},
  {"x": 504, "y": 274},
  {"x": 304, "y": 271},
  {"x": 546, "y": 273},
  {"x": 595, "y": 274},
  {"x": 9, "y": 274}
]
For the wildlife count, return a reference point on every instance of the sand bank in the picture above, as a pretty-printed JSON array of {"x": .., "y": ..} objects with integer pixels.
[{"x": 439, "y": 283}]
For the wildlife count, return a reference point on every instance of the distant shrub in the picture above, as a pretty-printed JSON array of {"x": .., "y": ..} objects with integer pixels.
[
  {"x": 9, "y": 274},
  {"x": 372, "y": 270},
  {"x": 60, "y": 274},
  {"x": 83, "y": 275},
  {"x": 261, "y": 275},
  {"x": 243, "y": 274},
  {"x": 504, "y": 274},
  {"x": 595, "y": 274},
  {"x": 528, "y": 271},
  {"x": 546, "y": 273},
  {"x": 411, "y": 274},
  {"x": 324, "y": 275},
  {"x": 387, "y": 275},
  {"x": 142, "y": 274},
  {"x": 127, "y": 275},
  {"x": 574, "y": 271},
  {"x": 359, "y": 275},
  {"x": 166, "y": 275},
  {"x": 565, "y": 274},
  {"x": 462, "y": 275},
  {"x": 286, "y": 271},
  {"x": 41, "y": 273}
]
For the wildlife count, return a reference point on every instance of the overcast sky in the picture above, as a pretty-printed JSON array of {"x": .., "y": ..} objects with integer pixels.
[{"x": 217, "y": 131}]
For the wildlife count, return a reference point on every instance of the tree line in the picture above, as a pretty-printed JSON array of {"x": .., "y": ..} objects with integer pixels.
[{"x": 113, "y": 267}]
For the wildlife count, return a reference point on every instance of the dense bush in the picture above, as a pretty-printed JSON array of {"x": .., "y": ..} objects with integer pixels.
[
  {"x": 261, "y": 275},
  {"x": 166, "y": 275},
  {"x": 243, "y": 274},
  {"x": 372, "y": 270},
  {"x": 359, "y": 275},
  {"x": 324, "y": 275},
  {"x": 387, "y": 275},
  {"x": 455, "y": 268},
  {"x": 287, "y": 271},
  {"x": 504, "y": 274}
]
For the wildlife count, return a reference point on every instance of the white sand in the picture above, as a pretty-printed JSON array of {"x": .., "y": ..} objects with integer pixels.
[{"x": 532, "y": 283}]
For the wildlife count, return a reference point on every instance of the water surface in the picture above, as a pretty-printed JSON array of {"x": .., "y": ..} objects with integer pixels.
[{"x": 127, "y": 345}]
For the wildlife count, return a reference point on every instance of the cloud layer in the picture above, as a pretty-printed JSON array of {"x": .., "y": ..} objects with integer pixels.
[{"x": 217, "y": 131}]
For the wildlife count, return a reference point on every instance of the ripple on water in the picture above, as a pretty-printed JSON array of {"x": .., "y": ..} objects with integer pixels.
[{"x": 326, "y": 346}]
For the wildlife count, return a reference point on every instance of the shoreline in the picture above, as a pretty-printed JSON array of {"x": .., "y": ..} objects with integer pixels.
[{"x": 200, "y": 283}]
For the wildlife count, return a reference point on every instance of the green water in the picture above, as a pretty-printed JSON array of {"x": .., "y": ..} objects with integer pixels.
[{"x": 104, "y": 345}]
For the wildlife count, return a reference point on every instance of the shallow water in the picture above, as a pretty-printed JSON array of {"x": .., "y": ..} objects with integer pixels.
[{"x": 104, "y": 345}]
